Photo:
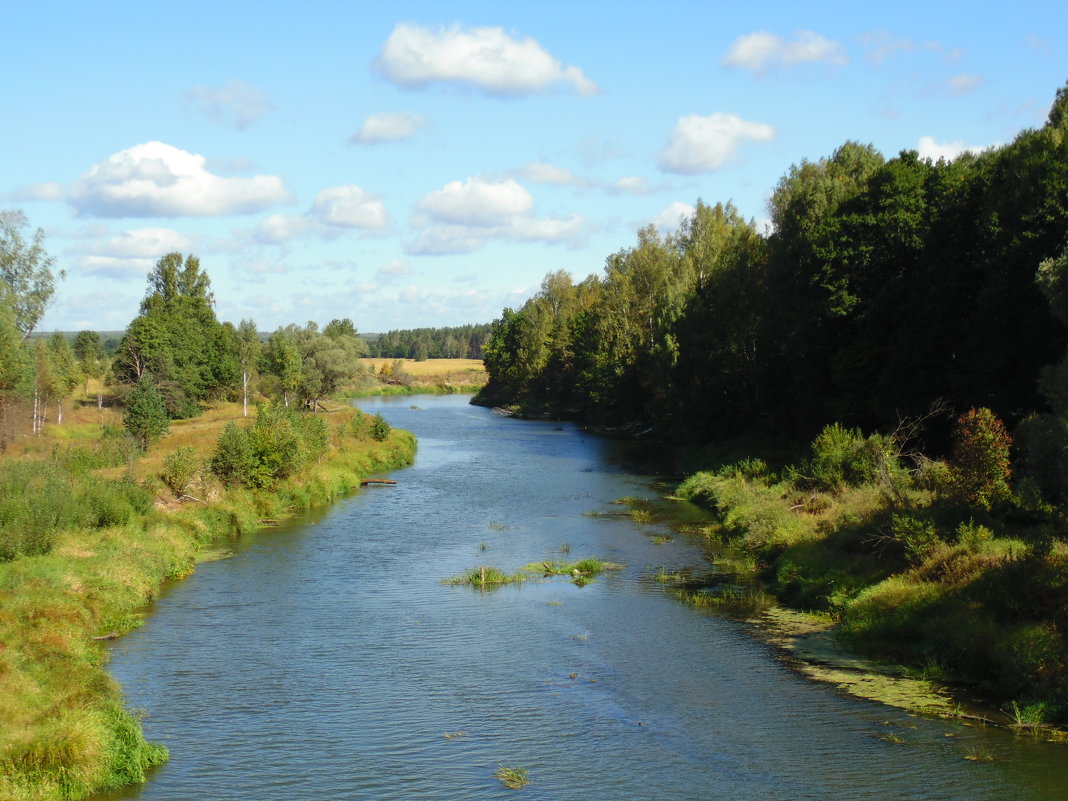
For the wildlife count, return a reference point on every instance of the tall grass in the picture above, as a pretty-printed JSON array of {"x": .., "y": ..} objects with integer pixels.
[{"x": 88, "y": 552}]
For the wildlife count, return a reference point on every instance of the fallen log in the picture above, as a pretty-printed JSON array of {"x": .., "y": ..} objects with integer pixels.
[{"x": 367, "y": 481}]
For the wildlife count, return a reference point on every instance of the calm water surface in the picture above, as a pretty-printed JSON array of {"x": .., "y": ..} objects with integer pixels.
[{"x": 328, "y": 661}]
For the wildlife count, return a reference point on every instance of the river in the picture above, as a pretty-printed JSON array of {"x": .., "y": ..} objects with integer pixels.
[{"x": 328, "y": 660}]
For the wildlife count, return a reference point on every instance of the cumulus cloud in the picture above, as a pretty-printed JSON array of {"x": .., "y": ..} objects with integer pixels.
[
  {"x": 631, "y": 185},
  {"x": 930, "y": 149},
  {"x": 962, "y": 84},
  {"x": 671, "y": 218},
  {"x": 131, "y": 253},
  {"x": 464, "y": 216},
  {"x": 349, "y": 206},
  {"x": 387, "y": 127},
  {"x": 703, "y": 144},
  {"x": 158, "y": 180},
  {"x": 763, "y": 51},
  {"x": 477, "y": 202},
  {"x": 234, "y": 103},
  {"x": 485, "y": 58}
]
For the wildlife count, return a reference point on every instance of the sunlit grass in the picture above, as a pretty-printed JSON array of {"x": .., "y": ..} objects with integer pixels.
[{"x": 512, "y": 778}]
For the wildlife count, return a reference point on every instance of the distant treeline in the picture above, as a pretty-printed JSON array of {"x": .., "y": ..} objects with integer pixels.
[
  {"x": 459, "y": 342},
  {"x": 883, "y": 286}
]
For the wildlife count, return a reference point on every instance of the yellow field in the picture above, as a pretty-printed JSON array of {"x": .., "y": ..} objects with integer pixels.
[{"x": 431, "y": 367}]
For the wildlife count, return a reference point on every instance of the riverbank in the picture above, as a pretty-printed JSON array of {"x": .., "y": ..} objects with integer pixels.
[
  {"x": 64, "y": 731},
  {"x": 907, "y": 572}
]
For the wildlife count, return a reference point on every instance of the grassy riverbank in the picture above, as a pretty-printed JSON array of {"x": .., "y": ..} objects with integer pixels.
[
  {"x": 108, "y": 535},
  {"x": 411, "y": 377},
  {"x": 910, "y": 569}
]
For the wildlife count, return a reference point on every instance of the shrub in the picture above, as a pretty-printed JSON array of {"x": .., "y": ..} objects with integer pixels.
[
  {"x": 233, "y": 461},
  {"x": 380, "y": 428},
  {"x": 843, "y": 457},
  {"x": 145, "y": 416},
  {"x": 919, "y": 537},
  {"x": 981, "y": 464},
  {"x": 180, "y": 467}
]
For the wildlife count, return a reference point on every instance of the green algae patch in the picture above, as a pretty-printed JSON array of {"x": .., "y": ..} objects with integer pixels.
[{"x": 808, "y": 644}]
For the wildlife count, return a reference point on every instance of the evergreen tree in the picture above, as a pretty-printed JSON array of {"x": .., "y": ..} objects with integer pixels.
[{"x": 145, "y": 417}]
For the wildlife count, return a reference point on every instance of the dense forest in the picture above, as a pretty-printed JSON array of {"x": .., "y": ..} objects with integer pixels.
[
  {"x": 923, "y": 302},
  {"x": 884, "y": 285},
  {"x": 456, "y": 342}
]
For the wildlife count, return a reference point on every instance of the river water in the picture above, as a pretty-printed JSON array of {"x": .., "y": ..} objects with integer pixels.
[{"x": 328, "y": 660}]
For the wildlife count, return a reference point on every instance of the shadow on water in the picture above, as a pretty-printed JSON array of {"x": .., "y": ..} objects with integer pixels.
[{"x": 329, "y": 659}]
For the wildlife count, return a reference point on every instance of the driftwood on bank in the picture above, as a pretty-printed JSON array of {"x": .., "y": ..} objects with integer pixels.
[{"x": 367, "y": 481}]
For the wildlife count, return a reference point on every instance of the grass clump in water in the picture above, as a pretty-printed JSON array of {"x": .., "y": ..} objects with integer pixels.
[
  {"x": 485, "y": 578},
  {"x": 581, "y": 572},
  {"x": 512, "y": 778}
]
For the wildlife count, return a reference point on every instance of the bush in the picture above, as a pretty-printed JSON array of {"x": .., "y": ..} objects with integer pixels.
[
  {"x": 981, "y": 464},
  {"x": 919, "y": 537},
  {"x": 379, "y": 428},
  {"x": 233, "y": 461},
  {"x": 145, "y": 416},
  {"x": 180, "y": 467},
  {"x": 843, "y": 457}
]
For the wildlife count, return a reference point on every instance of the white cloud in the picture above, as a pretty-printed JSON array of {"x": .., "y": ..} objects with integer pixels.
[
  {"x": 477, "y": 202},
  {"x": 930, "y": 149},
  {"x": 485, "y": 58},
  {"x": 387, "y": 127},
  {"x": 234, "y": 103},
  {"x": 349, "y": 206},
  {"x": 762, "y": 51},
  {"x": 130, "y": 253},
  {"x": 702, "y": 144},
  {"x": 881, "y": 45},
  {"x": 462, "y": 217},
  {"x": 671, "y": 218},
  {"x": 334, "y": 210},
  {"x": 158, "y": 180},
  {"x": 962, "y": 84},
  {"x": 544, "y": 173},
  {"x": 43, "y": 190}
]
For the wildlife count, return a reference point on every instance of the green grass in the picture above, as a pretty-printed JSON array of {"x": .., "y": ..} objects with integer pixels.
[
  {"x": 64, "y": 733},
  {"x": 512, "y": 778},
  {"x": 484, "y": 577}
]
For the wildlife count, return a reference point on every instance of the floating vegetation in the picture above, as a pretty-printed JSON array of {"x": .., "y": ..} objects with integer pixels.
[
  {"x": 452, "y": 735},
  {"x": 735, "y": 600},
  {"x": 980, "y": 753},
  {"x": 495, "y": 526},
  {"x": 580, "y": 637},
  {"x": 659, "y": 539},
  {"x": 890, "y": 737},
  {"x": 482, "y": 546},
  {"x": 512, "y": 778},
  {"x": 581, "y": 572},
  {"x": 675, "y": 577},
  {"x": 565, "y": 549},
  {"x": 641, "y": 516},
  {"x": 485, "y": 578},
  {"x": 554, "y": 603}
]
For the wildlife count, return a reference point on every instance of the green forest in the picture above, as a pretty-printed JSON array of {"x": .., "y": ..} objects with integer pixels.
[{"x": 890, "y": 359}]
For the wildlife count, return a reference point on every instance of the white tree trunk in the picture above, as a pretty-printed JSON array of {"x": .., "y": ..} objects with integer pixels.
[
  {"x": 59, "y": 412},
  {"x": 244, "y": 392}
]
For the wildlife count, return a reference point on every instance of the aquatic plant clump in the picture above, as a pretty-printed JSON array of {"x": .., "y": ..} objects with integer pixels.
[
  {"x": 512, "y": 778},
  {"x": 484, "y": 577}
]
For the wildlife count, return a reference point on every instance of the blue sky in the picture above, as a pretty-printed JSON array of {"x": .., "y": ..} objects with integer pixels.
[{"x": 422, "y": 164}]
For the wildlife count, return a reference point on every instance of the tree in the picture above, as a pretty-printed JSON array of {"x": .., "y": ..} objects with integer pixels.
[
  {"x": 247, "y": 339},
  {"x": 178, "y": 339},
  {"x": 13, "y": 367},
  {"x": 281, "y": 359},
  {"x": 981, "y": 464},
  {"x": 66, "y": 374},
  {"x": 26, "y": 269},
  {"x": 145, "y": 416},
  {"x": 89, "y": 351}
]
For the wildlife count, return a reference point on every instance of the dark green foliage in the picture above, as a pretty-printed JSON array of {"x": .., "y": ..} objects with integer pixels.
[
  {"x": 233, "y": 461},
  {"x": 460, "y": 342},
  {"x": 379, "y": 428},
  {"x": 145, "y": 417},
  {"x": 843, "y": 458},
  {"x": 178, "y": 340},
  {"x": 280, "y": 441}
]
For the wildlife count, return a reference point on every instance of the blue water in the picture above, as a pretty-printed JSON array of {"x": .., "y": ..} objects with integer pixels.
[{"x": 328, "y": 659}]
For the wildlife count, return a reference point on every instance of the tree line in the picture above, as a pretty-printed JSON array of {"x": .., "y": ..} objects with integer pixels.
[
  {"x": 884, "y": 285},
  {"x": 450, "y": 342},
  {"x": 174, "y": 356}
]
